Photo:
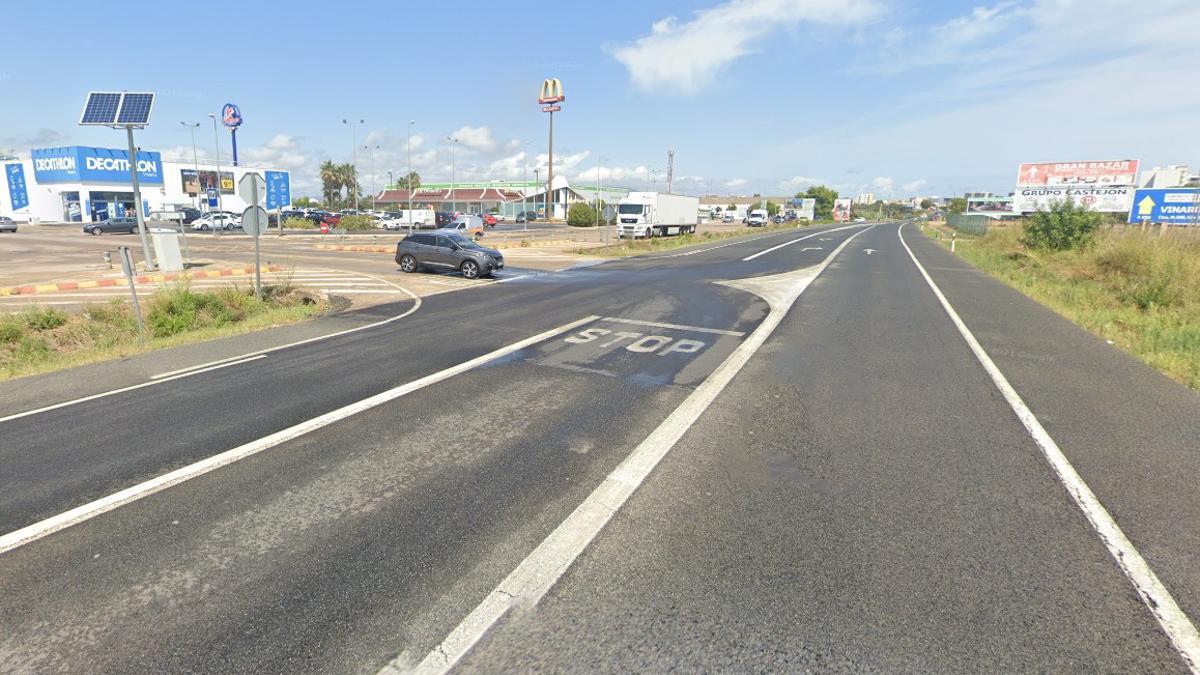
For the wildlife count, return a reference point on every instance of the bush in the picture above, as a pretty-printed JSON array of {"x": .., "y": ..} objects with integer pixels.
[
  {"x": 581, "y": 215},
  {"x": 1066, "y": 226},
  {"x": 39, "y": 318},
  {"x": 298, "y": 224},
  {"x": 11, "y": 330},
  {"x": 178, "y": 309},
  {"x": 356, "y": 223}
]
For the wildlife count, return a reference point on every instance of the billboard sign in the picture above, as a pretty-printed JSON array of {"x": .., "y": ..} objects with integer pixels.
[
  {"x": 78, "y": 164},
  {"x": 1103, "y": 199},
  {"x": 231, "y": 116},
  {"x": 1172, "y": 206},
  {"x": 279, "y": 189},
  {"x": 841, "y": 210},
  {"x": 1115, "y": 172},
  {"x": 18, "y": 192},
  {"x": 805, "y": 208},
  {"x": 194, "y": 185},
  {"x": 989, "y": 204}
]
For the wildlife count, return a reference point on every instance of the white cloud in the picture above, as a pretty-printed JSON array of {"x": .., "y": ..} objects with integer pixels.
[
  {"x": 686, "y": 56},
  {"x": 883, "y": 183},
  {"x": 479, "y": 139},
  {"x": 913, "y": 186},
  {"x": 799, "y": 182},
  {"x": 736, "y": 183}
]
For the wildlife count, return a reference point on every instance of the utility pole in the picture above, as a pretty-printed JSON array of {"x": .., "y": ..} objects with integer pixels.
[
  {"x": 670, "y": 169},
  {"x": 453, "y": 197},
  {"x": 537, "y": 179}
]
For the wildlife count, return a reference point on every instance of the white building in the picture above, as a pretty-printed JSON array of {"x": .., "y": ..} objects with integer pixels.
[
  {"x": 865, "y": 199},
  {"x": 1176, "y": 175},
  {"x": 86, "y": 184}
]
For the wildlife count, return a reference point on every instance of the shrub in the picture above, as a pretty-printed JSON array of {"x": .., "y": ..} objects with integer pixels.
[
  {"x": 354, "y": 223},
  {"x": 11, "y": 330},
  {"x": 581, "y": 215},
  {"x": 1066, "y": 226},
  {"x": 298, "y": 224},
  {"x": 176, "y": 310},
  {"x": 43, "y": 318}
]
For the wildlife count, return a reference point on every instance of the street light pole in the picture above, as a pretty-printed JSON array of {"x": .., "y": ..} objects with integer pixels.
[
  {"x": 408, "y": 179},
  {"x": 368, "y": 149},
  {"x": 525, "y": 184},
  {"x": 217, "y": 144},
  {"x": 354, "y": 154},
  {"x": 537, "y": 178},
  {"x": 599, "y": 197},
  {"x": 453, "y": 200}
]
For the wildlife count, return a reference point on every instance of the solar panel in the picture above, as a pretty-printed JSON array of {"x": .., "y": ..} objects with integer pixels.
[
  {"x": 135, "y": 109},
  {"x": 101, "y": 108}
]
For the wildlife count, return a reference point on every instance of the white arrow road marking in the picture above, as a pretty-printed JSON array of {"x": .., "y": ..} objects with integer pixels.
[
  {"x": 1158, "y": 599},
  {"x": 868, "y": 251},
  {"x": 542, "y": 568},
  {"x": 789, "y": 243}
]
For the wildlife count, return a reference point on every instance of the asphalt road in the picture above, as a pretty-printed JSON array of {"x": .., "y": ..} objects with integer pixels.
[{"x": 770, "y": 454}]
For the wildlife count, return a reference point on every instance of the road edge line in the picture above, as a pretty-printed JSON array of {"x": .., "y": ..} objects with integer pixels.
[
  {"x": 1174, "y": 622},
  {"x": 79, "y": 514},
  {"x": 534, "y": 576}
]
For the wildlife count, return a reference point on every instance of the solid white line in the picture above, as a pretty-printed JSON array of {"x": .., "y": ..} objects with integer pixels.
[
  {"x": 193, "y": 371},
  {"x": 56, "y": 406},
  {"x": 789, "y": 243},
  {"x": 656, "y": 324},
  {"x": 90, "y": 510},
  {"x": 538, "y": 572},
  {"x": 1158, "y": 599}
]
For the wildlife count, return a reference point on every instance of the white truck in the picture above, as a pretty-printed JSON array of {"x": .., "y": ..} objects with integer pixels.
[
  {"x": 757, "y": 218},
  {"x": 656, "y": 214}
]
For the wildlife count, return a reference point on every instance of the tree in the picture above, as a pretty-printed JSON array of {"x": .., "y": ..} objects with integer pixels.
[
  {"x": 411, "y": 181},
  {"x": 331, "y": 184},
  {"x": 302, "y": 202},
  {"x": 1066, "y": 225},
  {"x": 581, "y": 214},
  {"x": 926, "y": 204},
  {"x": 824, "y": 196},
  {"x": 772, "y": 209},
  {"x": 957, "y": 205},
  {"x": 731, "y": 207}
]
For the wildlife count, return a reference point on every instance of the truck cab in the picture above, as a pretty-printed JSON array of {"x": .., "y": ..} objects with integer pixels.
[{"x": 634, "y": 216}]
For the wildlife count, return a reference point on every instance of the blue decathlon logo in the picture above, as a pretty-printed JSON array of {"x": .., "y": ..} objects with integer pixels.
[
  {"x": 18, "y": 193},
  {"x": 79, "y": 164}
]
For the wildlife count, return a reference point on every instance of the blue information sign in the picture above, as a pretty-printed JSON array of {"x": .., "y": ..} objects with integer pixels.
[
  {"x": 1172, "y": 206},
  {"x": 279, "y": 189},
  {"x": 212, "y": 197},
  {"x": 18, "y": 193}
]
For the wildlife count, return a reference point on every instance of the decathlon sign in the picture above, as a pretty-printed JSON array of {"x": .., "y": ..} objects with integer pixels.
[{"x": 79, "y": 164}]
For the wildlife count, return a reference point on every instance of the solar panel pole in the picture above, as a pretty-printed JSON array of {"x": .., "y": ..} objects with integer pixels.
[{"x": 137, "y": 200}]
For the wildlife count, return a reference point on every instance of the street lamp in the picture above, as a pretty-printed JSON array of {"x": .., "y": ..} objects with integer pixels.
[
  {"x": 408, "y": 179},
  {"x": 525, "y": 183},
  {"x": 217, "y": 144},
  {"x": 372, "y": 152},
  {"x": 537, "y": 178},
  {"x": 599, "y": 197},
  {"x": 354, "y": 154},
  {"x": 453, "y": 197}
]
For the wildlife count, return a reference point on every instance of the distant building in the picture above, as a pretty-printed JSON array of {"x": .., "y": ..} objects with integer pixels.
[
  {"x": 712, "y": 205},
  {"x": 1175, "y": 175},
  {"x": 865, "y": 199}
]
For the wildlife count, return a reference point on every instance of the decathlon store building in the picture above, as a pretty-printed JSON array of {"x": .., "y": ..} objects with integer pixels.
[{"x": 85, "y": 184}]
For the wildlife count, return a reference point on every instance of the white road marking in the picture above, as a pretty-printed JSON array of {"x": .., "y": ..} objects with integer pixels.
[
  {"x": 414, "y": 308},
  {"x": 195, "y": 370},
  {"x": 656, "y": 324},
  {"x": 1175, "y": 623},
  {"x": 539, "y": 571},
  {"x": 92, "y": 509},
  {"x": 794, "y": 241},
  {"x": 713, "y": 248}
]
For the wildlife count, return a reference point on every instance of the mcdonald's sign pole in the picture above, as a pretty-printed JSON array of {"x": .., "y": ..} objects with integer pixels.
[{"x": 551, "y": 95}]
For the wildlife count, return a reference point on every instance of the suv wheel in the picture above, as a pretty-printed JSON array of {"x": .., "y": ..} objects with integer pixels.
[
  {"x": 95, "y": 230},
  {"x": 408, "y": 264},
  {"x": 469, "y": 269}
]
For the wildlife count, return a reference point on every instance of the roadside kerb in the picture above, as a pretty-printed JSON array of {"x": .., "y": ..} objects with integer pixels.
[
  {"x": 34, "y": 289},
  {"x": 354, "y": 248}
]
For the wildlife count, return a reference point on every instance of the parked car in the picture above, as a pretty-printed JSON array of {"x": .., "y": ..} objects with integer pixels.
[
  {"x": 860, "y": 219},
  {"x": 489, "y": 219},
  {"x": 447, "y": 250},
  {"x": 218, "y": 221},
  {"x": 443, "y": 218},
  {"x": 468, "y": 226},
  {"x": 727, "y": 218},
  {"x": 527, "y": 216},
  {"x": 757, "y": 218},
  {"x": 7, "y": 224},
  {"x": 128, "y": 225}
]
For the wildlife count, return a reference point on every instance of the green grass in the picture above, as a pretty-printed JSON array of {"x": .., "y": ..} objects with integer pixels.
[
  {"x": 40, "y": 340},
  {"x": 1138, "y": 289},
  {"x": 628, "y": 247}
]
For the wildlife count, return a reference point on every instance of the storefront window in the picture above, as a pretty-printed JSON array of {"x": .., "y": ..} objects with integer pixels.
[{"x": 72, "y": 211}]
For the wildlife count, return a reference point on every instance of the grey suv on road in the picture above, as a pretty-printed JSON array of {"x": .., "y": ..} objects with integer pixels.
[{"x": 447, "y": 250}]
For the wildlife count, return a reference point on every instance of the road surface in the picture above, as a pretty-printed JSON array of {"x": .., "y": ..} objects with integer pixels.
[{"x": 779, "y": 453}]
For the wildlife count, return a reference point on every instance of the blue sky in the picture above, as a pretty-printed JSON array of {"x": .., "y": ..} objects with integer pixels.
[{"x": 893, "y": 96}]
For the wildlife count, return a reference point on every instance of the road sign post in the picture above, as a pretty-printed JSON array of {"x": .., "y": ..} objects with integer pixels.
[
  {"x": 251, "y": 188},
  {"x": 127, "y": 267}
]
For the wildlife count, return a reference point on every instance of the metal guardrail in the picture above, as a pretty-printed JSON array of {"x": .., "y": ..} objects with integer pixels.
[{"x": 973, "y": 224}]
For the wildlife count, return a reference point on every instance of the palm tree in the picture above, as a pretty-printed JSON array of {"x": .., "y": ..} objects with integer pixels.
[{"x": 331, "y": 185}]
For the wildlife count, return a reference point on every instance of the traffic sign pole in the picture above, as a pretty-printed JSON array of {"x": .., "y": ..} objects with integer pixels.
[{"x": 251, "y": 188}]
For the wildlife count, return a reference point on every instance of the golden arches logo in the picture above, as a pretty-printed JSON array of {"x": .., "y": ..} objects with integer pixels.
[{"x": 552, "y": 91}]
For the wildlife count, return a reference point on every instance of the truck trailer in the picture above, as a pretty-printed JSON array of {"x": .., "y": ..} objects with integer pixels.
[{"x": 656, "y": 214}]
